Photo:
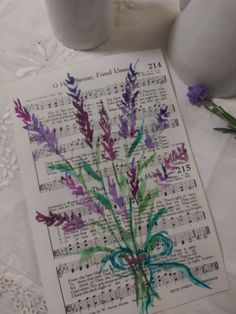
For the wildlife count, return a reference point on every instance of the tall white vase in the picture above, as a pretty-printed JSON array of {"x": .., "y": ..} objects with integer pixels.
[
  {"x": 80, "y": 24},
  {"x": 202, "y": 45}
]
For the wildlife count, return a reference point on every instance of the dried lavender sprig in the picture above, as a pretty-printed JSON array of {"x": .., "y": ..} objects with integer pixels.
[
  {"x": 199, "y": 95},
  {"x": 41, "y": 134},
  {"x": 82, "y": 117},
  {"x": 71, "y": 222},
  {"x": 128, "y": 105},
  {"x": 107, "y": 139}
]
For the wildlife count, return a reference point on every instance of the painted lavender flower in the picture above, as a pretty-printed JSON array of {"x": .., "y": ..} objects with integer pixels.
[
  {"x": 41, "y": 134},
  {"x": 128, "y": 105},
  {"x": 161, "y": 118},
  {"x": 149, "y": 141},
  {"x": 118, "y": 200},
  {"x": 69, "y": 222},
  {"x": 133, "y": 179},
  {"x": 174, "y": 159},
  {"x": 77, "y": 190},
  {"x": 95, "y": 207},
  {"x": 107, "y": 139},
  {"x": 82, "y": 117}
]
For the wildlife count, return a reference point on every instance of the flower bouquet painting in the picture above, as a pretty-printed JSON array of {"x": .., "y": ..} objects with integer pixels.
[{"x": 120, "y": 201}]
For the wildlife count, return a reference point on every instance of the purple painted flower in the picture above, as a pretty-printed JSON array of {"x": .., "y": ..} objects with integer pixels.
[
  {"x": 74, "y": 223},
  {"x": 161, "y": 118},
  {"x": 149, "y": 142},
  {"x": 22, "y": 112},
  {"x": 118, "y": 200},
  {"x": 128, "y": 106},
  {"x": 82, "y": 117},
  {"x": 41, "y": 134},
  {"x": 71, "y": 222},
  {"x": 162, "y": 177},
  {"x": 124, "y": 128},
  {"x": 89, "y": 203},
  {"x": 198, "y": 93},
  {"x": 77, "y": 190},
  {"x": 133, "y": 180},
  {"x": 177, "y": 157},
  {"x": 107, "y": 140}
]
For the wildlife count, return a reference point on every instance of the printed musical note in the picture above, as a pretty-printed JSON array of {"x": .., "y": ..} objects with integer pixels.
[
  {"x": 178, "y": 238},
  {"x": 164, "y": 279}
]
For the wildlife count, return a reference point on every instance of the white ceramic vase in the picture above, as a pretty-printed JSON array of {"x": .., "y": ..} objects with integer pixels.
[
  {"x": 202, "y": 45},
  {"x": 80, "y": 24}
]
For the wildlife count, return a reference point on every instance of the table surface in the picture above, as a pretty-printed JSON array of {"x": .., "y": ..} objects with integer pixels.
[{"x": 28, "y": 47}]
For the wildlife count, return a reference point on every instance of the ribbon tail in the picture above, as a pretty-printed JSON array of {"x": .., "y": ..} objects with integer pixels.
[{"x": 186, "y": 270}]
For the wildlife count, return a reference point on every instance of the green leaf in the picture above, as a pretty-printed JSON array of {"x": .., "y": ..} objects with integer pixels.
[
  {"x": 86, "y": 166},
  {"x": 136, "y": 141},
  {"x": 156, "y": 217},
  {"x": 88, "y": 253},
  {"x": 123, "y": 182},
  {"x": 229, "y": 130},
  {"x": 63, "y": 168},
  {"x": 148, "y": 200},
  {"x": 145, "y": 164},
  {"x": 141, "y": 191},
  {"x": 102, "y": 199}
]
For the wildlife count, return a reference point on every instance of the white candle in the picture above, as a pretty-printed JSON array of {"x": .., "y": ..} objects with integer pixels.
[{"x": 80, "y": 24}]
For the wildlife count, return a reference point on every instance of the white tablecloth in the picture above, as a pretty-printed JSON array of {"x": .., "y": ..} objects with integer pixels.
[{"x": 27, "y": 46}]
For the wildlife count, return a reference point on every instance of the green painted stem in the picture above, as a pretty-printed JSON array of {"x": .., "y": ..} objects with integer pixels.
[{"x": 116, "y": 175}]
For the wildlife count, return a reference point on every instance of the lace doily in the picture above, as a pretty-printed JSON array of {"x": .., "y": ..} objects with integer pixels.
[
  {"x": 25, "y": 301},
  {"x": 8, "y": 161}
]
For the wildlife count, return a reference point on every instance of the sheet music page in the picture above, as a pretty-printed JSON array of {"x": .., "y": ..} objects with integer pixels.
[{"x": 123, "y": 223}]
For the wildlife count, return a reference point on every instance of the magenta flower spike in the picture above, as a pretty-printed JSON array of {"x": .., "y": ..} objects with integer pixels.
[
  {"x": 107, "y": 140},
  {"x": 82, "y": 117},
  {"x": 133, "y": 180},
  {"x": 71, "y": 222}
]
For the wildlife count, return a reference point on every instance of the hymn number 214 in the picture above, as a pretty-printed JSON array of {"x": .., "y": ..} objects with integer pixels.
[{"x": 154, "y": 65}]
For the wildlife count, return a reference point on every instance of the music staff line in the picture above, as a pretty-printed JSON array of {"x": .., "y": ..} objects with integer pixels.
[
  {"x": 70, "y": 130},
  {"x": 78, "y": 265},
  {"x": 95, "y": 93},
  {"x": 122, "y": 292},
  {"x": 174, "y": 188},
  {"x": 120, "y": 167},
  {"x": 79, "y": 143},
  {"x": 165, "y": 223},
  {"x": 178, "y": 238}
]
